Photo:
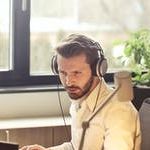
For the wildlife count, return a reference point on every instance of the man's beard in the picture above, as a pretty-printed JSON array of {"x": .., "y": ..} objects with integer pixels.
[{"x": 82, "y": 91}]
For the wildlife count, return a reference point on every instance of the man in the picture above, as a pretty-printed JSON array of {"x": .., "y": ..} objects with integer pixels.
[{"x": 80, "y": 64}]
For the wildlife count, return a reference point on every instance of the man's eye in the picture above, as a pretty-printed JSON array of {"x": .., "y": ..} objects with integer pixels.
[{"x": 78, "y": 73}]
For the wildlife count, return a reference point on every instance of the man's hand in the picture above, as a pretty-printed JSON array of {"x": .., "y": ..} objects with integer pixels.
[{"x": 33, "y": 147}]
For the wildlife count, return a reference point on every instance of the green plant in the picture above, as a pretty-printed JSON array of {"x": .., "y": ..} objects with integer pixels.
[{"x": 137, "y": 55}]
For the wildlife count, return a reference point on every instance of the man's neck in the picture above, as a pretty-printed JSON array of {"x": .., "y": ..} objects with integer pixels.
[{"x": 96, "y": 81}]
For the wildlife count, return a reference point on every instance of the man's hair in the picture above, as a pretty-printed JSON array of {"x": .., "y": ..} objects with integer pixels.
[{"x": 76, "y": 44}]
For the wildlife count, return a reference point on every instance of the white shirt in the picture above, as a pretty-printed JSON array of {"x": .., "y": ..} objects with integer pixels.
[{"x": 115, "y": 127}]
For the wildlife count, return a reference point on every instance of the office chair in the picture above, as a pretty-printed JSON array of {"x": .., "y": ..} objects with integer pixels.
[{"x": 144, "y": 113}]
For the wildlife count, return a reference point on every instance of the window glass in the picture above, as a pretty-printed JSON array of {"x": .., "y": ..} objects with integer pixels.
[
  {"x": 105, "y": 21},
  {"x": 4, "y": 35}
]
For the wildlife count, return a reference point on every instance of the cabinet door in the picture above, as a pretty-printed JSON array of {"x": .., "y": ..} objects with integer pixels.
[
  {"x": 45, "y": 136},
  {"x": 27, "y": 136},
  {"x": 61, "y": 134}
]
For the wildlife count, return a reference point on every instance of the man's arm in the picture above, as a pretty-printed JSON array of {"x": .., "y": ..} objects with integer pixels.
[{"x": 64, "y": 146}]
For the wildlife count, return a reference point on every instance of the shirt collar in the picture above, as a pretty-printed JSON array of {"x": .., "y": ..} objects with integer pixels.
[{"x": 97, "y": 95}]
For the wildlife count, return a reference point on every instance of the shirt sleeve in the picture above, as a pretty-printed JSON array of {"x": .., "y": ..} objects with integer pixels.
[
  {"x": 122, "y": 125},
  {"x": 64, "y": 146}
]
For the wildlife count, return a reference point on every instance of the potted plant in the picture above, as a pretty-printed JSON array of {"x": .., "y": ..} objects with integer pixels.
[{"x": 136, "y": 55}]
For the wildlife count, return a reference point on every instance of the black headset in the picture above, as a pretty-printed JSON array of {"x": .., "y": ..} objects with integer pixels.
[
  {"x": 98, "y": 69},
  {"x": 101, "y": 65}
]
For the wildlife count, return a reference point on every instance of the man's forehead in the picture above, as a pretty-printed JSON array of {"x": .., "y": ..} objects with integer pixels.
[
  {"x": 73, "y": 63},
  {"x": 81, "y": 57}
]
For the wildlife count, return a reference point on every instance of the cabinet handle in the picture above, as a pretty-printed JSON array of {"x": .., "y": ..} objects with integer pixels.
[{"x": 7, "y": 135}]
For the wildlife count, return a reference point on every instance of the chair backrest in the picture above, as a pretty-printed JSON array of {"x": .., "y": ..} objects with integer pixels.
[{"x": 144, "y": 113}]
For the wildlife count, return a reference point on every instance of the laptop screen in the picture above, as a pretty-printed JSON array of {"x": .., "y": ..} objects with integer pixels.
[{"x": 8, "y": 146}]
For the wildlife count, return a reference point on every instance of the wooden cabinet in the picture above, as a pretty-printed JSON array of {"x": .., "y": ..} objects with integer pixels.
[{"x": 46, "y": 136}]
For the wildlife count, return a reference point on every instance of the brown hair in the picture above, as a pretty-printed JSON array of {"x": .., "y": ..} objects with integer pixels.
[{"x": 76, "y": 44}]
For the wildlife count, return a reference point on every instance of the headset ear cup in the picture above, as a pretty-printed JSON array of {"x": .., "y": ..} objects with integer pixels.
[
  {"x": 101, "y": 67},
  {"x": 54, "y": 66}
]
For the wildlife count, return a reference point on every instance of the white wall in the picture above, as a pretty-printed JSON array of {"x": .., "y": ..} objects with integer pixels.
[{"x": 35, "y": 104}]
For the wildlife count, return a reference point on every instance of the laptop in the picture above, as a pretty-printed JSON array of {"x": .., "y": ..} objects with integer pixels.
[{"x": 8, "y": 146}]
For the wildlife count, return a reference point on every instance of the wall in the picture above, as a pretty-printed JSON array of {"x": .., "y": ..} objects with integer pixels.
[{"x": 32, "y": 104}]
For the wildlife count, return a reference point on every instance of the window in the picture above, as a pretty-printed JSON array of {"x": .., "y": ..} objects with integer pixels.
[
  {"x": 30, "y": 29},
  {"x": 47, "y": 27},
  {"x": 5, "y": 50}
]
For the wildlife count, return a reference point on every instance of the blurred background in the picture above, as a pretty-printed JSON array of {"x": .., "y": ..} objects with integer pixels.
[{"x": 104, "y": 20}]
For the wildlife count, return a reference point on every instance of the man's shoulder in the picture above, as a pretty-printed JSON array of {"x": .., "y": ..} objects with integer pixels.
[{"x": 122, "y": 109}]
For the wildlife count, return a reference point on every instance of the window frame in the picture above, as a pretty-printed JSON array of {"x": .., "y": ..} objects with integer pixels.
[{"x": 20, "y": 74}]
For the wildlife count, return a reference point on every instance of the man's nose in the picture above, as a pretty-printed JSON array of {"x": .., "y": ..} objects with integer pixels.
[{"x": 70, "y": 80}]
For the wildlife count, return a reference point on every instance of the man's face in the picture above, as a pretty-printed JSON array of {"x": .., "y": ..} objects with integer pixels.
[{"x": 75, "y": 75}]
